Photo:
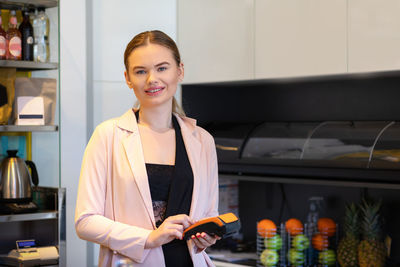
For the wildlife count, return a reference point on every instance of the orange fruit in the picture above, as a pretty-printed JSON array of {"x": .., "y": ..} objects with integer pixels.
[
  {"x": 326, "y": 226},
  {"x": 266, "y": 228},
  {"x": 320, "y": 242},
  {"x": 294, "y": 226}
]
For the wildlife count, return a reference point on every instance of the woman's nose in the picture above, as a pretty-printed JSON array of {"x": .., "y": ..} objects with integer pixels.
[{"x": 152, "y": 77}]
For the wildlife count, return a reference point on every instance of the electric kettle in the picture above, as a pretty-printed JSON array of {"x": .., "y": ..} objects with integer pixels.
[{"x": 15, "y": 179}]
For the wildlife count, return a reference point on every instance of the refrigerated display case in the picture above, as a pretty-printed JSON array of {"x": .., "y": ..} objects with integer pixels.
[{"x": 286, "y": 140}]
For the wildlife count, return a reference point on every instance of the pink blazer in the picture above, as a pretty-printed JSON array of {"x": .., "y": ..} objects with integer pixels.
[{"x": 114, "y": 207}]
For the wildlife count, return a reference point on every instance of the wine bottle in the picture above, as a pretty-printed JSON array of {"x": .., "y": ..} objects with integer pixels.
[{"x": 26, "y": 30}]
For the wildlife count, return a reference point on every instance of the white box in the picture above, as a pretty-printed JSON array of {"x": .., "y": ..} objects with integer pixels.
[{"x": 30, "y": 110}]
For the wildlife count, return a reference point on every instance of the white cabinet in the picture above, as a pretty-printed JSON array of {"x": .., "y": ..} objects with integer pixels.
[
  {"x": 216, "y": 39},
  {"x": 294, "y": 38},
  {"x": 235, "y": 40},
  {"x": 374, "y": 35}
]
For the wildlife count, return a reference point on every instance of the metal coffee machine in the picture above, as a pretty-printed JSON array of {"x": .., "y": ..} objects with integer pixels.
[{"x": 16, "y": 184}]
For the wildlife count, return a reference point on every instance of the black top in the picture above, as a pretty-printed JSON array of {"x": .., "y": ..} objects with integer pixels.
[
  {"x": 180, "y": 189},
  {"x": 160, "y": 177}
]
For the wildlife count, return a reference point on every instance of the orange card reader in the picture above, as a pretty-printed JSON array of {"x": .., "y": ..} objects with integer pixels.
[{"x": 223, "y": 225}]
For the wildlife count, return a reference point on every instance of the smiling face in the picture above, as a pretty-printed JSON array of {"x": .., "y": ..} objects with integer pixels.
[{"x": 153, "y": 74}]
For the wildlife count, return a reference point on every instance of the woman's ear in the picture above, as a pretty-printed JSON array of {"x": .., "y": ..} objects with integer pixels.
[
  {"x": 128, "y": 82},
  {"x": 181, "y": 72}
]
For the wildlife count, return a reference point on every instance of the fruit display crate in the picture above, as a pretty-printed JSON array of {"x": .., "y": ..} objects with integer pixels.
[
  {"x": 305, "y": 246},
  {"x": 272, "y": 247}
]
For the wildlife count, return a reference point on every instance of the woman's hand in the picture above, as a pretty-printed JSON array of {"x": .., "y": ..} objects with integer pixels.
[
  {"x": 171, "y": 228},
  {"x": 203, "y": 240}
]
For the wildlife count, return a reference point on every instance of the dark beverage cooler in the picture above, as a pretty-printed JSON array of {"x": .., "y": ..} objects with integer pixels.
[{"x": 290, "y": 141}]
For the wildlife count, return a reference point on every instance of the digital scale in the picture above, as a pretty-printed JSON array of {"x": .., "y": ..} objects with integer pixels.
[{"x": 28, "y": 253}]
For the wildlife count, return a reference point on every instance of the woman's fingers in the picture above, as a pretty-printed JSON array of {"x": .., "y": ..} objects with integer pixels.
[
  {"x": 182, "y": 219},
  {"x": 175, "y": 225},
  {"x": 171, "y": 228},
  {"x": 176, "y": 233},
  {"x": 176, "y": 230},
  {"x": 199, "y": 244},
  {"x": 203, "y": 240}
]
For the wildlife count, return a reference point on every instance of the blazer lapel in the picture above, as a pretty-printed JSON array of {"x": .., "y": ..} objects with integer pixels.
[
  {"x": 193, "y": 148},
  {"x": 134, "y": 152}
]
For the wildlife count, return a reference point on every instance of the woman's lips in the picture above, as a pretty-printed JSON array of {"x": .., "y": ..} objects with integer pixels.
[{"x": 153, "y": 91}]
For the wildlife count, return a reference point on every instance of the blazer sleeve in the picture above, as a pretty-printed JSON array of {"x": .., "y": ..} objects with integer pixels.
[
  {"x": 212, "y": 183},
  {"x": 90, "y": 222},
  {"x": 212, "y": 179}
]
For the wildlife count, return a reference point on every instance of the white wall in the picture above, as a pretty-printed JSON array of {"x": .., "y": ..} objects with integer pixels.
[
  {"x": 300, "y": 38},
  {"x": 374, "y": 35},
  {"x": 217, "y": 39},
  {"x": 73, "y": 114}
]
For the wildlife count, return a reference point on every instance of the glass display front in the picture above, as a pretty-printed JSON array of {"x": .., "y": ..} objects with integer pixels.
[
  {"x": 346, "y": 144},
  {"x": 386, "y": 153},
  {"x": 279, "y": 140}
]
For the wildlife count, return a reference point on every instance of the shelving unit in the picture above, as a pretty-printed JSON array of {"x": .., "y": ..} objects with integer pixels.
[
  {"x": 47, "y": 226},
  {"x": 28, "y": 128},
  {"x": 29, "y": 216},
  {"x": 22, "y": 65},
  {"x": 9, "y": 4},
  {"x": 28, "y": 65}
]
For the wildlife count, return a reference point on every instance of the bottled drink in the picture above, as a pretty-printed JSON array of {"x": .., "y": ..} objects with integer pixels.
[
  {"x": 13, "y": 38},
  {"x": 32, "y": 15},
  {"x": 3, "y": 41},
  {"x": 41, "y": 36},
  {"x": 314, "y": 213},
  {"x": 27, "y": 37}
]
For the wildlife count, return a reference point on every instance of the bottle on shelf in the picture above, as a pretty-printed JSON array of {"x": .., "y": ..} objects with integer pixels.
[
  {"x": 32, "y": 14},
  {"x": 13, "y": 38},
  {"x": 315, "y": 208},
  {"x": 41, "y": 36},
  {"x": 314, "y": 213},
  {"x": 3, "y": 41},
  {"x": 26, "y": 30}
]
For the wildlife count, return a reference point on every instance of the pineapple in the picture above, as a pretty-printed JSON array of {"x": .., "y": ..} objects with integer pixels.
[
  {"x": 371, "y": 250},
  {"x": 347, "y": 248}
]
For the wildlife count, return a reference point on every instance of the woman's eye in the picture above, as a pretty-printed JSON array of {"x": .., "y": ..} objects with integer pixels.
[
  {"x": 162, "y": 68},
  {"x": 140, "y": 72}
]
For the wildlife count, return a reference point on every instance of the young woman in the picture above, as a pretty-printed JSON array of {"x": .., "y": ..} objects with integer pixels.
[{"x": 151, "y": 173}]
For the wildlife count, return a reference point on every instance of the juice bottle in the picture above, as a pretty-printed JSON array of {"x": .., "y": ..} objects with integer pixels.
[
  {"x": 3, "y": 41},
  {"x": 13, "y": 38},
  {"x": 27, "y": 37}
]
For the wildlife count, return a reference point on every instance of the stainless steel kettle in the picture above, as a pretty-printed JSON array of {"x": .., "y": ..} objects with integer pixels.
[{"x": 15, "y": 179}]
